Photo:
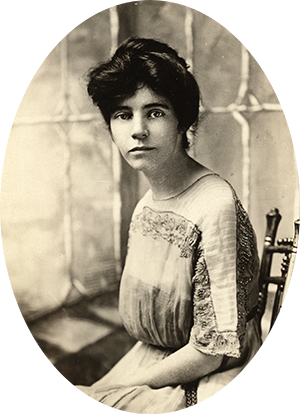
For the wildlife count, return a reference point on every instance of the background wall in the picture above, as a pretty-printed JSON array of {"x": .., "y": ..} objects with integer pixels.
[{"x": 21, "y": 62}]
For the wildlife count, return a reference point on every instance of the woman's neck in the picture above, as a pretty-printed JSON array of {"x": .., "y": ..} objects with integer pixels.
[{"x": 175, "y": 177}]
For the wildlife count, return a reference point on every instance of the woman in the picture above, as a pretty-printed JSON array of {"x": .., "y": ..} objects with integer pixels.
[{"x": 189, "y": 287}]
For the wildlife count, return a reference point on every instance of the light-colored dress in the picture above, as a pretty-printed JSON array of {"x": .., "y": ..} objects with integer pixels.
[{"x": 191, "y": 275}]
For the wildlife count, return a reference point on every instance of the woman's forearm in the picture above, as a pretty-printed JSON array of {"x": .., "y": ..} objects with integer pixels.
[{"x": 183, "y": 366}]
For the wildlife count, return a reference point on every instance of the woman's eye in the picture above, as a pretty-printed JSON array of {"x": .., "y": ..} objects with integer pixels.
[
  {"x": 156, "y": 114},
  {"x": 122, "y": 115}
]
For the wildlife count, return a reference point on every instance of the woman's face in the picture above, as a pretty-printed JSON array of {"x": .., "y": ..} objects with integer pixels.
[{"x": 145, "y": 129}]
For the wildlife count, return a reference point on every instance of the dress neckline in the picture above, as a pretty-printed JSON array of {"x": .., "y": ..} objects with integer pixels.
[{"x": 185, "y": 190}]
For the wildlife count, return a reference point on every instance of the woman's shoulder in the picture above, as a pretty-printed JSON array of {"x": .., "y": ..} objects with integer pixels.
[
  {"x": 211, "y": 198},
  {"x": 213, "y": 189}
]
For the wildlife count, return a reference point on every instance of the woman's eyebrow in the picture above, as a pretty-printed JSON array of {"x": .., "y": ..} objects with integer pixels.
[
  {"x": 157, "y": 104},
  {"x": 146, "y": 106},
  {"x": 121, "y": 107}
]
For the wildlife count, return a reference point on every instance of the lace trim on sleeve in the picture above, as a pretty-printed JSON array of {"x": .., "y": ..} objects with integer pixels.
[
  {"x": 205, "y": 335},
  {"x": 247, "y": 267}
]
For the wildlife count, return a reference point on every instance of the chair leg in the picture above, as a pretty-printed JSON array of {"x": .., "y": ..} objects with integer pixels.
[{"x": 276, "y": 306}]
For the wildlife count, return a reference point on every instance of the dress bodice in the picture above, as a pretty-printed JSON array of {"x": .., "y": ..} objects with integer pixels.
[{"x": 191, "y": 270}]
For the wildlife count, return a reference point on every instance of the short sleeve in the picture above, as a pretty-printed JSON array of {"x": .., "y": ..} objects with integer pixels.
[
  {"x": 207, "y": 335},
  {"x": 225, "y": 275}
]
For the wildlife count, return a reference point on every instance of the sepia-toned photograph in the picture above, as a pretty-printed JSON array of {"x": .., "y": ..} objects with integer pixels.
[{"x": 150, "y": 214}]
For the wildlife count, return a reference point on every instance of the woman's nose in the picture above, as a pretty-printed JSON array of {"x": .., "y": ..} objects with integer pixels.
[{"x": 139, "y": 130}]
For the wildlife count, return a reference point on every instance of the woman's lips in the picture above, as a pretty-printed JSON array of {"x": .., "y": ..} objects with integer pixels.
[{"x": 141, "y": 149}]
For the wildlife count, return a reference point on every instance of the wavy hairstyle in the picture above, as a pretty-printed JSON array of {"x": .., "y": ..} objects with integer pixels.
[{"x": 146, "y": 62}]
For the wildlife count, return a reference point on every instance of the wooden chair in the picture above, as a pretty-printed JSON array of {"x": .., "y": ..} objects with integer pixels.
[{"x": 288, "y": 248}]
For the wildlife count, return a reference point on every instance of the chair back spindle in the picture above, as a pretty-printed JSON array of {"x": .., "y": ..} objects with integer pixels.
[
  {"x": 292, "y": 259},
  {"x": 288, "y": 248}
]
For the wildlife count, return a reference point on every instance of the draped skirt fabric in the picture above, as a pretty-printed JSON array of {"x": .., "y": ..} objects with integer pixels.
[{"x": 143, "y": 399}]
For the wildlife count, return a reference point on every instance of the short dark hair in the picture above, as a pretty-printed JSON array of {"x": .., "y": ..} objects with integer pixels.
[{"x": 146, "y": 62}]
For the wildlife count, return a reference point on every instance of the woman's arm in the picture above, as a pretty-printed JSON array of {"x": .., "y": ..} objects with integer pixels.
[{"x": 183, "y": 366}]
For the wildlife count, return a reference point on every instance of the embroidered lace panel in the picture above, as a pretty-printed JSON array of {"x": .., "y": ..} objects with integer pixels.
[
  {"x": 168, "y": 226},
  {"x": 205, "y": 334},
  {"x": 246, "y": 266}
]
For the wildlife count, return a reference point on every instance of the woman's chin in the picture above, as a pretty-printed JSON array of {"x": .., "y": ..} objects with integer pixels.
[{"x": 139, "y": 163}]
